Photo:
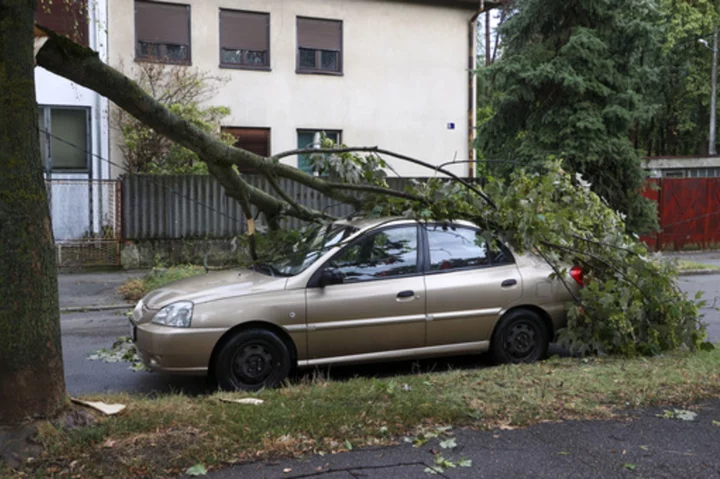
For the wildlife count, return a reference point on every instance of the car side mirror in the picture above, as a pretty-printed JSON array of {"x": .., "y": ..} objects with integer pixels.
[{"x": 330, "y": 276}]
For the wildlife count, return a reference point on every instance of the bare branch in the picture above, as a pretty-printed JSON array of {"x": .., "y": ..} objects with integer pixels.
[
  {"x": 380, "y": 151},
  {"x": 378, "y": 190},
  {"x": 303, "y": 210}
]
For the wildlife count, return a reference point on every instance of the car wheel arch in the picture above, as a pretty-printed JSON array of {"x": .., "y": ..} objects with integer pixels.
[
  {"x": 273, "y": 328},
  {"x": 547, "y": 320}
]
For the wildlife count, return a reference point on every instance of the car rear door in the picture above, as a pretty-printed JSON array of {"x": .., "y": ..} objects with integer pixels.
[
  {"x": 467, "y": 283},
  {"x": 380, "y": 305}
]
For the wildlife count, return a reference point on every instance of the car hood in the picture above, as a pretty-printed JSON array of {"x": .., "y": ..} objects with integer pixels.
[{"x": 213, "y": 286}]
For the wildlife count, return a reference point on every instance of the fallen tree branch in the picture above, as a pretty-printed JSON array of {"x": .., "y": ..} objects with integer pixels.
[
  {"x": 83, "y": 66},
  {"x": 378, "y": 190},
  {"x": 380, "y": 151}
]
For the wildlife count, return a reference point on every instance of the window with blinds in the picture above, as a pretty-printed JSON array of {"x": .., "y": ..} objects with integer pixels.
[
  {"x": 67, "y": 19},
  {"x": 244, "y": 39},
  {"x": 319, "y": 45},
  {"x": 254, "y": 140},
  {"x": 162, "y": 32}
]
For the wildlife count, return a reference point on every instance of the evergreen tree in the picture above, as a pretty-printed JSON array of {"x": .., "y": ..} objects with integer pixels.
[
  {"x": 680, "y": 124},
  {"x": 572, "y": 83}
]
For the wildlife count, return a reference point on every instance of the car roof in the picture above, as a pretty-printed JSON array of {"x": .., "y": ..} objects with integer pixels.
[{"x": 364, "y": 223}]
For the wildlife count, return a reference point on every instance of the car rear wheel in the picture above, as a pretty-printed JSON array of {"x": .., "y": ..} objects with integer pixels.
[
  {"x": 520, "y": 337},
  {"x": 252, "y": 360}
]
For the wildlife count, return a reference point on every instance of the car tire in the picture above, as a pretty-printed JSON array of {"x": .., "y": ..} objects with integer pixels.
[
  {"x": 252, "y": 360},
  {"x": 521, "y": 336}
]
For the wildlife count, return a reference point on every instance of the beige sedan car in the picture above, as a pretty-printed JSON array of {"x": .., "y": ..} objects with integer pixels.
[{"x": 356, "y": 291}]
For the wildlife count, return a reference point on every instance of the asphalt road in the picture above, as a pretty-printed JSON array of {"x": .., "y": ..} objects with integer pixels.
[{"x": 85, "y": 333}]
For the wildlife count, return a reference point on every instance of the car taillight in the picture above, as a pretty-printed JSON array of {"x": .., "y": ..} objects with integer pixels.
[{"x": 577, "y": 274}]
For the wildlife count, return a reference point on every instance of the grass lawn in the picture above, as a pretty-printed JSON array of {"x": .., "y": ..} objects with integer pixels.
[
  {"x": 163, "y": 436},
  {"x": 134, "y": 289},
  {"x": 684, "y": 265}
]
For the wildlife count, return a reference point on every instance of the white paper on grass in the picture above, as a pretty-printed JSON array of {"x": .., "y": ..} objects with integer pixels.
[
  {"x": 252, "y": 401},
  {"x": 105, "y": 408}
]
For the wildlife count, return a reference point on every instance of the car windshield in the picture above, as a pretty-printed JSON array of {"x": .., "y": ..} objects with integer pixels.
[{"x": 317, "y": 243}]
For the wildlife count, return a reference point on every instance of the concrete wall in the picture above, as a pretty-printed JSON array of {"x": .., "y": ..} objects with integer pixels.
[
  {"x": 683, "y": 166},
  {"x": 70, "y": 202},
  {"x": 405, "y": 75},
  {"x": 149, "y": 253}
]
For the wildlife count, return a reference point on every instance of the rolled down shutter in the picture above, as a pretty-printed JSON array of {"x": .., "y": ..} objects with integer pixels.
[
  {"x": 162, "y": 23},
  {"x": 244, "y": 30},
  {"x": 319, "y": 34},
  {"x": 68, "y": 19}
]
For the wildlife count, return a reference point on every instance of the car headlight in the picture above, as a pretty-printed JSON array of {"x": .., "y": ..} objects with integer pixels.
[{"x": 176, "y": 315}]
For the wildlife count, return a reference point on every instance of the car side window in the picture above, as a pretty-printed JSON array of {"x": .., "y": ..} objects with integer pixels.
[
  {"x": 499, "y": 254},
  {"x": 453, "y": 248},
  {"x": 387, "y": 253},
  {"x": 456, "y": 248}
]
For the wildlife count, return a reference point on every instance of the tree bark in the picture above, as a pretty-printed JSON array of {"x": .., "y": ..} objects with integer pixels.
[{"x": 32, "y": 382}]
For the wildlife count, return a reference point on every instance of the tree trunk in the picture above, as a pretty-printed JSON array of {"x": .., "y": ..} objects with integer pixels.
[{"x": 32, "y": 382}]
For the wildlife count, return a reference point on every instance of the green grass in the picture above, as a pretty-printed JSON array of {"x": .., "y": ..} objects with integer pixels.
[
  {"x": 163, "y": 436},
  {"x": 684, "y": 265},
  {"x": 134, "y": 289}
]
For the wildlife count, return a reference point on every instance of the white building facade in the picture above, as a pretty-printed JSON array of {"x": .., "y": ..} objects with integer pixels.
[
  {"x": 394, "y": 74},
  {"x": 73, "y": 127}
]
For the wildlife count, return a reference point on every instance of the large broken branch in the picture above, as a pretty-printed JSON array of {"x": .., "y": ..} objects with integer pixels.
[{"x": 83, "y": 66}]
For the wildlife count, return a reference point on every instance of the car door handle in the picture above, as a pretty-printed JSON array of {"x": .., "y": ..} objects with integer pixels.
[
  {"x": 405, "y": 294},
  {"x": 508, "y": 282}
]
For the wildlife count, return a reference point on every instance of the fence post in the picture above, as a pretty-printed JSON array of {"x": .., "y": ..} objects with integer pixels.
[{"x": 661, "y": 215}]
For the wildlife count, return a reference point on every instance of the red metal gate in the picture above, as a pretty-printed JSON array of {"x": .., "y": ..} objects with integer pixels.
[{"x": 688, "y": 213}]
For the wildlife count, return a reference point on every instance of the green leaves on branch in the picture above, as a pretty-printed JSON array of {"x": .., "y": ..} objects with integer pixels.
[{"x": 631, "y": 304}]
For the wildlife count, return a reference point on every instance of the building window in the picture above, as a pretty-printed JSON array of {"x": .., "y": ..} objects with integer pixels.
[
  {"x": 64, "y": 138},
  {"x": 319, "y": 46},
  {"x": 254, "y": 140},
  {"x": 162, "y": 32},
  {"x": 674, "y": 174},
  {"x": 67, "y": 19},
  {"x": 244, "y": 39},
  {"x": 306, "y": 139}
]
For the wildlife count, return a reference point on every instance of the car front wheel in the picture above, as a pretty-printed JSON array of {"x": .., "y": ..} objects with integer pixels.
[
  {"x": 520, "y": 337},
  {"x": 252, "y": 360}
]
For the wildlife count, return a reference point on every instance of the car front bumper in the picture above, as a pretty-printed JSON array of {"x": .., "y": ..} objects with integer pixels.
[{"x": 175, "y": 350}]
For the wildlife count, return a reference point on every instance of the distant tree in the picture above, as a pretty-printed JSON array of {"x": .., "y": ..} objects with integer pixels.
[
  {"x": 571, "y": 83},
  {"x": 185, "y": 91},
  {"x": 680, "y": 123}
]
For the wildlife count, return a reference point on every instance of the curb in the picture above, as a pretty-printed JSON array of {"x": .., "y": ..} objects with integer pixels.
[
  {"x": 90, "y": 308},
  {"x": 698, "y": 272}
]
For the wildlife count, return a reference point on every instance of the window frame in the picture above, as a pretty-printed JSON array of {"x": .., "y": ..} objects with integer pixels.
[
  {"x": 236, "y": 66},
  {"x": 46, "y": 153},
  {"x": 228, "y": 129},
  {"x": 314, "y": 281},
  {"x": 161, "y": 60},
  {"x": 298, "y": 131},
  {"x": 318, "y": 53},
  {"x": 491, "y": 263}
]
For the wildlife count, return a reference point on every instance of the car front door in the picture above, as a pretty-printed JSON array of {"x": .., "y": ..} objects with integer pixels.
[
  {"x": 379, "y": 303},
  {"x": 468, "y": 283}
]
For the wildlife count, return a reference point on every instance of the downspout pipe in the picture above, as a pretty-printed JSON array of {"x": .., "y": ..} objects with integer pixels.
[{"x": 472, "y": 87}]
